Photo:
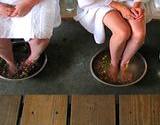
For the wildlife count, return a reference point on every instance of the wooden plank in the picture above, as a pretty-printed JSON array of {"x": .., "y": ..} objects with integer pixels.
[
  {"x": 44, "y": 110},
  {"x": 140, "y": 110},
  {"x": 9, "y": 106},
  {"x": 64, "y": 13},
  {"x": 93, "y": 110}
]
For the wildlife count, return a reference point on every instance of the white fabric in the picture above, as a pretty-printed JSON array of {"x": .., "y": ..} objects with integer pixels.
[
  {"x": 154, "y": 9},
  {"x": 90, "y": 14},
  {"x": 38, "y": 23},
  {"x": 83, "y": 3}
]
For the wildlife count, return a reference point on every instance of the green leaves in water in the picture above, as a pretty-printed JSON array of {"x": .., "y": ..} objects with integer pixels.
[
  {"x": 105, "y": 66},
  {"x": 3, "y": 67},
  {"x": 105, "y": 62}
]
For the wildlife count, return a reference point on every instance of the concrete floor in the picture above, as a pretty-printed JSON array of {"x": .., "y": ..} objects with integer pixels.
[{"x": 67, "y": 71}]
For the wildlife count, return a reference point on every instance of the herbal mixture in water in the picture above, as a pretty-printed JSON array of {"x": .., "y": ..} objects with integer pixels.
[
  {"x": 21, "y": 53},
  {"x": 101, "y": 66},
  {"x": 23, "y": 70}
]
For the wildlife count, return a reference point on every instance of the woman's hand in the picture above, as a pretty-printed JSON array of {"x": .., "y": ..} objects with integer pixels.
[
  {"x": 126, "y": 12},
  {"x": 6, "y": 10},
  {"x": 138, "y": 11},
  {"x": 22, "y": 9}
]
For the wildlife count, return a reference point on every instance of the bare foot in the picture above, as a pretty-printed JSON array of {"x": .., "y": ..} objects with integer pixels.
[
  {"x": 6, "y": 53},
  {"x": 12, "y": 69},
  {"x": 126, "y": 75},
  {"x": 26, "y": 67},
  {"x": 37, "y": 46},
  {"x": 113, "y": 73}
]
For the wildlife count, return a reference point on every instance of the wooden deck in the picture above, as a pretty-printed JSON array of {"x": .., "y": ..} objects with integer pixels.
[{"x": 80, "y": 110}]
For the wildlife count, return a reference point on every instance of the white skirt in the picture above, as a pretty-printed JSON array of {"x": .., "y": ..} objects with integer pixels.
[
  {"x": 38, "y": 23},
  {"x": 91, "y": 18}
]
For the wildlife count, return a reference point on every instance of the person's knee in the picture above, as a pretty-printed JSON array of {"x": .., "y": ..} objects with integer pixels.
[
  {"x": 123, "y": 33},
  {"x": 139, "y": 37},
  {"x": 5, "y": 43}
]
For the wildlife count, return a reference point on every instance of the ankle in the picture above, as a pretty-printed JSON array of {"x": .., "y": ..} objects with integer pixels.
[{"x": 124, "y": 66}]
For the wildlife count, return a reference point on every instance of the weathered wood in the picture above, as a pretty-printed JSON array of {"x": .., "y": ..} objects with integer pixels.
[
  {"x": 44, "y": 110},
  {"x": 9, "y": 106},
  {"x": 140, "y": 110},
  {"x": 93, "y": 110},
  {"x": 64, "y": 13}
]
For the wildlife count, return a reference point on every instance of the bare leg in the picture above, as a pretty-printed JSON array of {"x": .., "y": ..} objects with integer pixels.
[
  {"x": 6, "y": 9},
  {"x": 37, "y": 47},
  {"x": 120, "y": 34},
  {"x": 6, "y": 53},
  {"x": 136, "y": 41}
]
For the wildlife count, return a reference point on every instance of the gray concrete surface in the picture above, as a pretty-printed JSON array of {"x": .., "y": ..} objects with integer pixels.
[{"x": 67, "y": 71}]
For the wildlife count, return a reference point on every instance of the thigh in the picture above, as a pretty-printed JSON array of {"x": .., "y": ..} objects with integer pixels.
[
  {"x": 115, "y": 22},
  {"x": 138, "y": 26}
]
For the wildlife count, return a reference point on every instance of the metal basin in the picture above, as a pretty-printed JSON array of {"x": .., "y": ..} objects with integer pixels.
[
  {"x": 137, "y": 66},
  {"x": 22, "y": 50}
]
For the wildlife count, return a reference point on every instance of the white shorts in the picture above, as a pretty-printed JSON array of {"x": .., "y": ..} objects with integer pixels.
[
  {"x": 91, "y": 18},
  {"x": 38, "y": 23}
]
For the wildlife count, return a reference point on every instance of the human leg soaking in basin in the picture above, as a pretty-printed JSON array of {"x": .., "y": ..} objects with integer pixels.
[
  {"x": 125, "y": 20},
  {"x": 138, "y": 29},
  {"x": 134, "y": 15},
  {"x": 32, "y": 20}
]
